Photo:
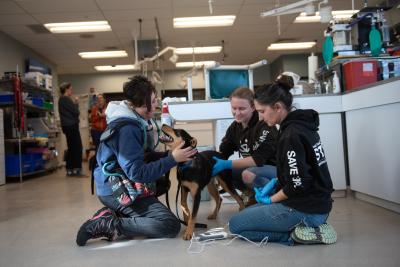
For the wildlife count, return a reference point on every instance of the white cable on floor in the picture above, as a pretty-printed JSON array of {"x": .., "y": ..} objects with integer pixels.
[{"x": 203, "y": 244}]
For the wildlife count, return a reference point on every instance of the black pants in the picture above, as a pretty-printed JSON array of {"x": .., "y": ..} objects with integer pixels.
[
  {"x": 145, "y": 217},
  {"x": 74, "y": 143}
]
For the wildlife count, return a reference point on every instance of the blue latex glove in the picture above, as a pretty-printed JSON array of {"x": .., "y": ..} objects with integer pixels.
[
  {"x": 269, "y": 187},
  {"x": 221, "y": 165},
  {"x": 262, "y": 199},
  {"x": 263, "y": 194}
]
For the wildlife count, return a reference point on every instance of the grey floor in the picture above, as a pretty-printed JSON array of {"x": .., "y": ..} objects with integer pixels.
[{"x": 40, "y": 217}]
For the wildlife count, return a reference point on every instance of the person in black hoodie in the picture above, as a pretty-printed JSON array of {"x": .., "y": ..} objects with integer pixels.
[
  {"x": 69, "y": 117},
  {"x": 253, "y": 139},
  {"x": 296, "y": 205}
]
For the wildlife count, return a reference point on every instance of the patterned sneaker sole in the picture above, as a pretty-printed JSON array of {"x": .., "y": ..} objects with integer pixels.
[{"x": 324, "y": 234}]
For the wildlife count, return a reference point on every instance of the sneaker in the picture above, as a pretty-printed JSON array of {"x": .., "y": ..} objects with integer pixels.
[
  {"x": 100, "y": 225},
  {"x": 324, "y": 234},
  {"x": 69, "y": 172},
  {"x": 104, "y": 211},
  {"x": 78, "y": 173}
]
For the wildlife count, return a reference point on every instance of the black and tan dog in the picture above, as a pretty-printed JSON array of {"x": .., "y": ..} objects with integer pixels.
[{"x": 194, "y": 175}]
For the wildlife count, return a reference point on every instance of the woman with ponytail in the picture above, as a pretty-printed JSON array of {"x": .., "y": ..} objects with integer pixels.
[{"x": 294, "y": 206}]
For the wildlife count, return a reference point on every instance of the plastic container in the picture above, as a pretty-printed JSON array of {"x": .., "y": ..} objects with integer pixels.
[
  {"x": 30, "y": 162},
  {"x": 360, "y": 73},
  {"x": 36, "y": 160},
  {"x": 12, "y": 164},
  {"x": 48, "y": 105},
  {"x": 6, "y": 97},
  {"x": 37, "y": 101}
]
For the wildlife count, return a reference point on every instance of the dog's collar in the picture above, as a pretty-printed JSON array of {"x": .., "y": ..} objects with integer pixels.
[{"x": 184, "y": 165}]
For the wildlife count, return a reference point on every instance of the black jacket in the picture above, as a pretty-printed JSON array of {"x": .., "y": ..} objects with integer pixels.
[
  {"x": 257, "y": 140},
  {"x": 302, "y": 168},
  {"x": 68, "y": 110}
]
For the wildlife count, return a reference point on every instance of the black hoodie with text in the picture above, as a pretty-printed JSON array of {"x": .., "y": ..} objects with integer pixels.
[
  {"x": 302, "y": 168},
  {"x": 257, "y": 140}
]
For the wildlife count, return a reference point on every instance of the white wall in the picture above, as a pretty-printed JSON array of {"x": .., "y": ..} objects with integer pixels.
[
  {"x": 297, "y": 63},
  {"x": 113, "y": 82},
  {"x": 13, "y": 53}
]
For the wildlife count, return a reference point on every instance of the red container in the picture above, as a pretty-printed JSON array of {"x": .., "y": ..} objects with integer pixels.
[{"x": 359, "y": 73}]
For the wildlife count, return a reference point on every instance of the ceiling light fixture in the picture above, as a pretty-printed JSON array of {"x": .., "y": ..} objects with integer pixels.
[
  {"x": 194, "y": 64},
  {"x": 85, "y": 26},
  {"x": 291, "y": 46},
  {"x": 208, "y": 21},
  {"x": 198, "y": 50},
  {"x": 114, "y": 67},
  {"x": 103, "y": 54},
  {"x": 337, "y": 14}
]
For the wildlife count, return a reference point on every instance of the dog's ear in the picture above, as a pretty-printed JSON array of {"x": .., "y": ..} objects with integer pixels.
[{"x": 193, "y": 142}]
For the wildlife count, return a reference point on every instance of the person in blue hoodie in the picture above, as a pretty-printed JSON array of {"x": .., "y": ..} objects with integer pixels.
[
  {"x": 295, "y": 205},
  {"x": 145, "y": 215}
]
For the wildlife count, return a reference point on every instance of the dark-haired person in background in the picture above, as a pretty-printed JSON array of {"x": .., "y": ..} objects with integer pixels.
[
  {"x": 69, "y": 117},
  {"x": 146, "y": 216},
  {"x": 296, "y": 209},
  {"x": 253, "y": 139}
]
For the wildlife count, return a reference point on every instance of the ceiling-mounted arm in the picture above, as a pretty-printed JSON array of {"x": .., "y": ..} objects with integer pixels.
[
  {"x": 289, "y": 9},
  {"x": 162, "y": 52}
]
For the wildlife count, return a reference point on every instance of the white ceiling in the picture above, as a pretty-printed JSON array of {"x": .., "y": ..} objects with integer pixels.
[{"x": 245, "y": 42}]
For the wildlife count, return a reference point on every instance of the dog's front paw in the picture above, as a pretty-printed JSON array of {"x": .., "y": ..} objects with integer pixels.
[{"x": 187, "y": 235}]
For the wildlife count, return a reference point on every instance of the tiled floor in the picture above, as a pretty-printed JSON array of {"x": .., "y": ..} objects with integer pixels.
[{"x": 40, "y": 217}]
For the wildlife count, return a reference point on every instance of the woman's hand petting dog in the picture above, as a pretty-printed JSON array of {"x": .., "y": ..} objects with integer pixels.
[{"x": 185, "y": 154}]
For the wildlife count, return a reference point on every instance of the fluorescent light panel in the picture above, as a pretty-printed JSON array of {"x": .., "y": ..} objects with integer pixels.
[
  {"x": 84, "y": 26},
  {"x": 103, "y": 54},
  {"x": 198, "y": 50},
  {"x": 196, "y": 64},
  {"x": 336, "y": 14},
  {"x": 115, "y": 67},
  {"x": 208, "y": 21},
  {"x": 291, "y": 46}
]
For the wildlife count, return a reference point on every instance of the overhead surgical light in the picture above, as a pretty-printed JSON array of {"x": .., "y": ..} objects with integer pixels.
[{"x": 174, "y": 58}]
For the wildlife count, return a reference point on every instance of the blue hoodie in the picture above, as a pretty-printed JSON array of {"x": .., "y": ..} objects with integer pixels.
[{"x": 127, "y": 146}]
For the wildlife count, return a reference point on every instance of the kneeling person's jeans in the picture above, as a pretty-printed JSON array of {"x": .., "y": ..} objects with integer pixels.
[
  {"x": 262, "y": 175},
  {"x": 145, "y": 217},
  {"x": 275, "y": 221}
]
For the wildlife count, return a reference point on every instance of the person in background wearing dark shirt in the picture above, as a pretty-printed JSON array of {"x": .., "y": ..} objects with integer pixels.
[
  {"x": 69, "y": 116},
  {"x": 98, "y": 119},
  {"x": 253, "y": 139},
  {"x": 295, "y": 206}
]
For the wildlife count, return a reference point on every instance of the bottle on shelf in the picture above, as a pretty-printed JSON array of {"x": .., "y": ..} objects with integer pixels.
[
  {"x": 29, "y": 131},
  {"x": 335, "y": 83},
  {"x": 166, "y": 118}
]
